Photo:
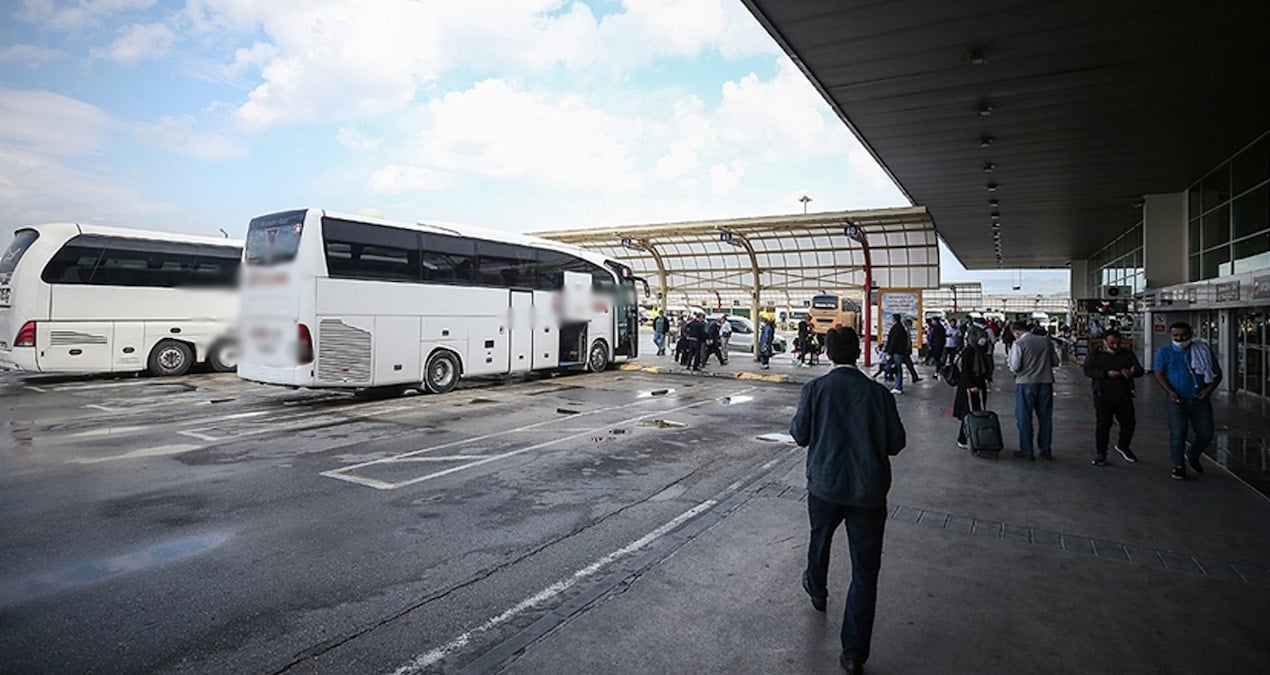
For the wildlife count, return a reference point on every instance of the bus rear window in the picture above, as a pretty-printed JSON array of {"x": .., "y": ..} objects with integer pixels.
[
  {"x": 275, "y": 238},
  {"x": 22, "y": 240}
]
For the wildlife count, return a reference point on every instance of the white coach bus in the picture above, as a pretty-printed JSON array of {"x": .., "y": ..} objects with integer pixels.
[
  {"x": 333, "y": 300},
  {"x": 90, "y": 299}
]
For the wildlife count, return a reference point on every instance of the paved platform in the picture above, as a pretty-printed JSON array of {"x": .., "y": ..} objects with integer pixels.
[{"x": 1000, "y": 566}]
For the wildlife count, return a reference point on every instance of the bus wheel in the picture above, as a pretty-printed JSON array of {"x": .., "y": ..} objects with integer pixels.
[
  {"x": 598, "y": 360},
  {"x": 442, "y": 372},
  {"x": 223, "y": 356},
  {"x": 171, "y": 358}
]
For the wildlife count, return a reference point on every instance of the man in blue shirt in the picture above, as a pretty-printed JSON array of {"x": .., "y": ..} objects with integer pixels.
[{"x": 1188, "y": 373}]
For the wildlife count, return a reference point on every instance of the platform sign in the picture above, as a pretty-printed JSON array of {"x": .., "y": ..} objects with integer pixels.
[
  {"x": 907, "y": 302},
  {"x": 1159, "y": 323}
]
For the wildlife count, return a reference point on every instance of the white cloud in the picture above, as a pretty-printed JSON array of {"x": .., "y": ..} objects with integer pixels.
[
  {"x": 725, "y": 177},
  {"x": 29, "y": 54},
  {"x": 77, "y": 14},
  {"x": 397, "y": 179},
  {"x": 51, "y": 123},
  {"x": 357, "y": 141},
  {"x": 40, "y": 189},
  {"x": 139, "y": 42},
  {"x": 179, "y": 134}
]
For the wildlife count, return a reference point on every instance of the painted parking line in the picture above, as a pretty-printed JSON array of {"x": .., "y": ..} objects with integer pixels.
[
  {"x": 348, "y": 473},
  {"x": 158, "y": 451},
  {"x": 431, "y": 657}
]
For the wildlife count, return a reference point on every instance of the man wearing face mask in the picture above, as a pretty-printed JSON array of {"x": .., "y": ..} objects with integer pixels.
[
  {"x": 1188, "y": 373},
  {"x": 1113, "y": 370}
]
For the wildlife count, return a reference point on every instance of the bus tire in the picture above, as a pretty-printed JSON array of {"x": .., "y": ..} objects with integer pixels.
[
  {"x": 223, "y": 356},
  {"x": 441, "y": 373},
  {"x": 597, "y": 360},
  {"x": 170, "y": 358}
]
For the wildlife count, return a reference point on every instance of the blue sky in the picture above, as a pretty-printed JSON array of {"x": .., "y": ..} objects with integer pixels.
[{"x": 194, "y": 115}]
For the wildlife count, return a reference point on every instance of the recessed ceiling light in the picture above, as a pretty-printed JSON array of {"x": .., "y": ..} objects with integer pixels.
[
  {"x": 989, "y": 167},
  {"x": 986, "y": 141},
  {"x": 992, "y": 187},
  {"x": 994, "y": 203},
  {"x": 977, "y": 57},
  {"x": 985, "y": 109},
  {"x": 996, "y": 215}
]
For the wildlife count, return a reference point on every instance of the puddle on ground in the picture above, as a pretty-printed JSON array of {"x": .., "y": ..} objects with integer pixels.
[
  {"x": 655, "y": 392},
  {"x": 777, "y": 438},
  {"x": 733, "y": 400},
  {"x": 22, "y": 589},
  {"x": 663, "y": 424}
]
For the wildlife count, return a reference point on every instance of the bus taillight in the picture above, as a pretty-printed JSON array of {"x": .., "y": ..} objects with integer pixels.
[
  {"x": 304, "y": 352},
  {"x": 26, "y": 336}
]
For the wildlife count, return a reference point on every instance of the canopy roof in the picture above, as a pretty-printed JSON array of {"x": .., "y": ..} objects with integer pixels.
[{"x": 787, "y": 259}]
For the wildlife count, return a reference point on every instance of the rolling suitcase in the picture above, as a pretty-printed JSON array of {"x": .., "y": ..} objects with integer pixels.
[{"x": 983, "y": 429}]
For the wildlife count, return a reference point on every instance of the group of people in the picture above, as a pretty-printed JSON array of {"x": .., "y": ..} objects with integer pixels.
[
  {"x": 851, "y": 427},
  {"x": 700, "y": 338}
]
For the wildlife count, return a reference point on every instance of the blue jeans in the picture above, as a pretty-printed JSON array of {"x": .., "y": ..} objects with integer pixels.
[
  {"x": 897, "y": 360},
  {"x": 1035, "y": 399},
  {"x": 865, "y": 527},
  {"x": 1197, "y": 414},
  {"x": 659, "y": 339}
]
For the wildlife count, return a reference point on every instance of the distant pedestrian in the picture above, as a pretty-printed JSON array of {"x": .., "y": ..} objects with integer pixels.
[
  {"x": 766, "y": 335},
  {"x": 938, "y": 344},
  {"x": 908, "y": 356},
  {"x": 897, "y": 349},
  {"x": 713, "y": 343},
  {"x": 661, "y": 327},
  {"x": 975, "y": 368},
  {"x": 813, "y": 349},
  {"x": 1113, "y": 371},
  {"x": 725, "y": 334},
  {"x": 682, "y": 345},
  {"x": 1032, "y": 359},
  {"x": 804, "y": 332},
  {"x": 696, "y": 341},
  {"x": 1188, "y": 373},
  {"x": 850, "y": 428}
]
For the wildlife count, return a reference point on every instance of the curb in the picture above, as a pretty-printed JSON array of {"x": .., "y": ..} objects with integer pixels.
[{"x": 657, "y": 370}]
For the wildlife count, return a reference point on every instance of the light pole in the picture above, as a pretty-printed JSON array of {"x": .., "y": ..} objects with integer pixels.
[
  {"x": 804, "y": 199},
  {"x": 856, "y": 233}
]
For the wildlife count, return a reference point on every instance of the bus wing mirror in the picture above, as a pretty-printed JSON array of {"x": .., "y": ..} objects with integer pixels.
[{"x": 644, "y": 282}]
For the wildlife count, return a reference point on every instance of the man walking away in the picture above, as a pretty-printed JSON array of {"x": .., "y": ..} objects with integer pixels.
[
  {"x": 804, "y": 332},
  {"x": 661, "y": 326},
  {"x": 1032, "y": 360},
  {"x": 896, "y": 349},
  {"x": 908, "y": 356},
  {"x": 850, "y": 428},
  {"x": 766, "y": 335},
  {"x": 1113, "y": 370},
  {"x": 725, "y": 334},
  {"x": 938, "y": 343},
  {"x": 1188, "y": 373},
  {"x": 696, "y": 341},
  {"x": 714, "y": 340}
]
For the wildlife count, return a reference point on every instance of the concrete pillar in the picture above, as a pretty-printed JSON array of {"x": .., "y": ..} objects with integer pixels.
[
  {"x": 1079, "y": 282},
  {"x": 1164, "y": 233}
]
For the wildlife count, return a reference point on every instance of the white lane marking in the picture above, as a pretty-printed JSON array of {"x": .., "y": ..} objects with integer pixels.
[
  {"x": 108, "y": 431},
  {"x": 159, "y": 451},
  {"x": 200, "y": 436},
  {"x": 431, "y": 657},
  {"x": 102, "y": 407},
  {"x": 32, "y": 387},
  {"x": 110, "y": 385},
  {"x": 344, "y": 472}
]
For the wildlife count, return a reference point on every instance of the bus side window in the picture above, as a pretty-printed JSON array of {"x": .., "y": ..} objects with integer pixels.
[{"x": 448, "y": 259}]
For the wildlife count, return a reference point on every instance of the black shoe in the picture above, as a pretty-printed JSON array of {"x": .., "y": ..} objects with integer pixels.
[
  {"x": 1127, "y": 454},
  {"x": 1179, "y": 473},
  {"x": 917, "y": 379},
  {"x": 1022, "y": 455},
  {"x": 1199, "y": 468},
  {"x": 1100, "y": 460},
  {"x": 853, "y": 667},
  {"x": 818, "y": 603},
  {"x": 1047, "y": 455}
]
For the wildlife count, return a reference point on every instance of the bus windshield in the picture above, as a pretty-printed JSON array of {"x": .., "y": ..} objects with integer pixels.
[
  {"x": 274, "y": 238},
  {"x": 825, "y": 302},
  {"x": 22, "y": 240}
]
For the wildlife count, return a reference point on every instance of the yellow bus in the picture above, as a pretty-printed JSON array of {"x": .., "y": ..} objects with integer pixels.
[{"x": 833, "y": 311}]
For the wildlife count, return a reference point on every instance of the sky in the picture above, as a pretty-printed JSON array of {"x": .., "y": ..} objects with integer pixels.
[{"x": 520, "y": 115}]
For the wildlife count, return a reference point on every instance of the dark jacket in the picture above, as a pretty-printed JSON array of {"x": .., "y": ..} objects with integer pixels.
[
  {"x": 712, "y": 331},
  {"x": 976, "y": 371},
  {"x": 1100, "y": 362},
  {"x": 897, "y": 341},
  {"x": 938, "y": 336},
  {"x": 661, "y": 325},
  {"x": 696, "y": 330},
  {"x": 850, "y": 427}
]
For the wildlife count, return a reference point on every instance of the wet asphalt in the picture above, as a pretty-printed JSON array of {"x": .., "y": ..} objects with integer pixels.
[{"x": 204, "y": 524}]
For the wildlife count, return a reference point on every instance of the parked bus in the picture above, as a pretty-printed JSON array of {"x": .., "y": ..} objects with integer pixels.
[
  {"x": 86, "y": 298},
  {"x": 832, "y": 311},
  {"x": 333, "y": 300}
]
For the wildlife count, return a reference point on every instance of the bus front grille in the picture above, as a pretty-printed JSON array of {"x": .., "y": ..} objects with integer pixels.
[{"x": 343, "y": 353}]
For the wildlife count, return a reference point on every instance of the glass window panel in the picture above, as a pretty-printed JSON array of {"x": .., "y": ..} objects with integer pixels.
[
  {"x": 1250, "y": 213},
  {"x": 1217, "y": 187},
  {"x": 1192, "y": 238},
  {"x": 1216, "y": 230},
  {"x": 1252, "y": 166},
  {"x": 1194, "y": 271},
  {"x": 1252, "y": 254},
  {"x": 1195, "y": 200},
  {"x": 1213, "y": 262}
]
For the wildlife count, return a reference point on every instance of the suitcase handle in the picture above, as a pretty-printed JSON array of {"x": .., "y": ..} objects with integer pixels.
[{"x": 983, "y": 401}]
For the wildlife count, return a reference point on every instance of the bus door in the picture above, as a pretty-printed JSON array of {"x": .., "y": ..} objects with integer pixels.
[
  {"x": 626, "y": 311},
  {"x": 521, "y": 327}
]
